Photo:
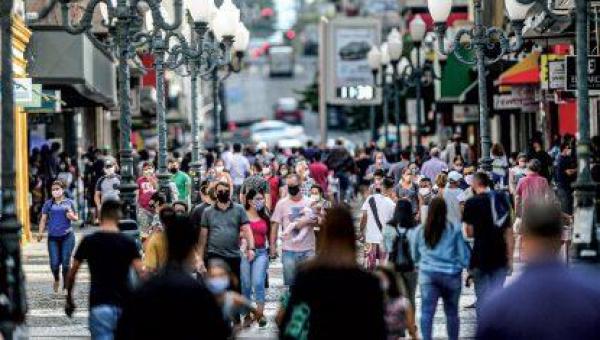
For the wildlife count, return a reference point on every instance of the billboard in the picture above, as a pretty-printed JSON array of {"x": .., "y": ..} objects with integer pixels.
[{"x": 349, "y": 78}]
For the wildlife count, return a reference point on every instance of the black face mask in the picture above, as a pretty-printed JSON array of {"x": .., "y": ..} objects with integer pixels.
[
  {"x": 293, "y": 190},
  {"x": 173, "y": 170},
  {"x": 223, "y": 196}
]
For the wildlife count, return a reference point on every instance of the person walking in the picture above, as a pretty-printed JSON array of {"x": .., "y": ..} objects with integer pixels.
[
  {"x": 297, "y": 224},
  {"x": 487, "y": 220},
  {"x": 109, "y": 255},
  {"x": 319, "y": 171},
  {"x": 239, "y": 168},
  {"x": 220, "y": 229},
  {"x": 183, "y": 182},
  {"x": 254, "y": 272},
  {"x": 107, "y": 186},
  {"x": 408, "y": 189},
  {"x": 147, "y": 185},
  {"x": 517, "y": 172},
  {"x": 397, "y": 169},
  {"x": 57, "y": 215},
  {"x": 441, "y": 254},
  {"x": 452, "y": 195},
  {"x": 323, "y": 301},
  {"x": 566, "y": 175},
  {"x": 548, "y": 300},
  {"x": 256, "y": 182},
  {"x": 434, "y": 166}
]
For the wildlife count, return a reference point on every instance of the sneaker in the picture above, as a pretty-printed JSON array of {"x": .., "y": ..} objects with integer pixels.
[
  {"x": 55, "y": 286},
  {"x": 262, "y": 322}
]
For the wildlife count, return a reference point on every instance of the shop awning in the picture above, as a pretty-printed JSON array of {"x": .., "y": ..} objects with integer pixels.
[
  {"x": 525, "y": 72},
  {"x": 456, "y": 79},
  {"x": 75, "y": 64}
]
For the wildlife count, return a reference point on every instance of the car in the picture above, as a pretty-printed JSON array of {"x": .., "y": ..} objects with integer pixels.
[
  {"x": 286, "y": 109},
  {"x": 356, "y": 50},
  {"x": 272, "y": 132}
]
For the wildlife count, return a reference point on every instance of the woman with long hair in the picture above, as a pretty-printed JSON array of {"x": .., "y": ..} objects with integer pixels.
[
  {"x": 323, "y": 301},
  {"x": 441, "y": 254},
  {"x": 254, "y": 273}
]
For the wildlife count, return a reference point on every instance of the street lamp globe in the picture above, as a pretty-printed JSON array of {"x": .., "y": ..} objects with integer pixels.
[
  {"x": 385, "y": 54},
  {"x": 516, "y": 10},
  {"x": 201, "y": 10},
  {"x": 242, "y": 38},
  {"x": 403, "y": 66},
  {"x": 394, "y": 40},
  {"x": 374, "y": 58},
  {"x": 226, "y": 21},
  {"x": 417, "y": 28},
  {"x": 439, "y": 10}
]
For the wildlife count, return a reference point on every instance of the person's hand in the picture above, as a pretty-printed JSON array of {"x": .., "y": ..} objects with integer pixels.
[
  {"x": 250, "y": 255},
  {"x": 40, "y": 237},
  {"x": 200, "y": 267},
  {"x": 69, "y": 307}
]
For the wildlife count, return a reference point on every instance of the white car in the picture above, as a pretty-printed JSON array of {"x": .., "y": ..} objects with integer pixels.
[{"x": 275, "y": 132}]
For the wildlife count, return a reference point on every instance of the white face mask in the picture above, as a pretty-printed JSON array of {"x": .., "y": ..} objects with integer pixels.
[
  {"x": 219, "y": 169},
  {"x": 148, "y": 173},
  {"x": 57, "y": 193},
  {"x": 315, "y": 198},
  {"x": 109, "y": 171},
  {"x": 424, "y": 191},
  {"x": 266, "y": 172}
]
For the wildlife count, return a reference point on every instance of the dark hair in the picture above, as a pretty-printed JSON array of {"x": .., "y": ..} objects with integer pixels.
[
  {"x": 237, "y": 147},
  {"x": 436, "y": 222},
  {"x": 482, "y": 178},
  {"x": 318, "y": 187},
  {"x": 393, "y": 291},
  {"x": 405, "y": 154},
  {"x": 534, "y": 165},
  {"x": 262, "y": 213},
  {"x": 458, "y": 158},
  {"x": 403, "y": 215},
  {"x": 388, "y": 183},
  {"x": 379, "y": 173},
  {"x": 337, "y": 231},
  {"x": 565, "y": 145},
  {"x": 204, "y": 187},
  {"x": 59, "y": 183},
  {"x": 542, "y": 220},
  {"x": 182, "y": 203},
  {"x": 257, "y": 166},
  {"x": 159, "y": 198},
  {"x": 182, "y": 237},
  {"x": 111, "y": 210}
]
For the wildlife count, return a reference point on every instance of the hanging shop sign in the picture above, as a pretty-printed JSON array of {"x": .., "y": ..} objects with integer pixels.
[
  {"x": 553, "y": 73},
  {"x": 524, "y": 98},
  {"x": 593, "y": 72},
  {"x": 463, "y": 114},
  {"x": 23, "y": 90}
]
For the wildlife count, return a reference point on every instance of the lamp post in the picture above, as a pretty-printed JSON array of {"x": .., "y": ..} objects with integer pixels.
[
  {"x": 374, "y": 60},
  {"x": 124, "y": 23},
  {"x": 481, "y": 40},
  {"x": 13, "y": 306}
]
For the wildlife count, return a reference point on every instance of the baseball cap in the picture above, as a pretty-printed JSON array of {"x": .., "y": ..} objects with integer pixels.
[{"x": 454, "y": 176}]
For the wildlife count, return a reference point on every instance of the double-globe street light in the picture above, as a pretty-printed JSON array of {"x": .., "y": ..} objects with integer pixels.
[
  {"x": 406, "y": 73},
  {"x": 484, "y": 41},
  {"x": 208, "y": 48}
]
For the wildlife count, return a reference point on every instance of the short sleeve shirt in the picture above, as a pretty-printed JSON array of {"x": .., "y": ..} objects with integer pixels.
[
  {"x": 108, "y": 186},
  {"x": 224, "y": 229},
  {"x": 58, "y": 223},
  {"x": 182, "y": 182},
  {"x": 145, "y": 192},
  {"x": 385, "y": 211},
  {"x": 288, "y": 211}
]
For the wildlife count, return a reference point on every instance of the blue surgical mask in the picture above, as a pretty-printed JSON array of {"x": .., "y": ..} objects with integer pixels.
[
  {"x": 259, "y": 205},
  {"x": 217, "y": 285}
]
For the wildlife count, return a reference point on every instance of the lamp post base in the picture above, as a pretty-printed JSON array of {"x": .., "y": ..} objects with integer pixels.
[{"x": 196, "y": 174}]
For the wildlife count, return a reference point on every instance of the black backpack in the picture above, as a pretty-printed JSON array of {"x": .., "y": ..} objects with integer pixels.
[{"x": 400, "y": 255}]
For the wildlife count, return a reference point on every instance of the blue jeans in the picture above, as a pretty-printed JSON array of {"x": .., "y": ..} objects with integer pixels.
[
  {"x": 487, "y": 282},
  {"x": 103, "y": 321},
  {"x": 254, "y": 274},
  {"x": 433, "y": 286},
  {"x": 290, "y": 260},
  {"x": 60, "y": 249}
]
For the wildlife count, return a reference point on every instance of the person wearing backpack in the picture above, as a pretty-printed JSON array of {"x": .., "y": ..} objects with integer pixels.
[
  {"x": 486, "y": 219},
  {"x": 377, "y": 209},
  {"x": 402, "y": 225},
  {"x": 440, "y": 252}
]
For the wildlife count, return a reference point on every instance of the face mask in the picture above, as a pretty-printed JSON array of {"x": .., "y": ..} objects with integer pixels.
[
  {"x": 414, "y": 171},
  {"x": 223, "y": 196},
  {"x": 219, "y": 169},
  {"x": 469, "y": 179},
  {"x": 57, "y": 193},
  {"x": 315, "y": 198},
  {"x": 284, "y": 172},
  {"x": 293, "y": 190},
  {"x": 109, "y": 171},
  {"x": 424, "y": 191},
  {"x": 173, "y": 170},
  {"x": 148, "y": 173},
  {"x": 266, "y": 171},
  {"x": 259, "y": 205},
  {"x": 217, "y": 285},
  {"x": 379, "y": 161}
]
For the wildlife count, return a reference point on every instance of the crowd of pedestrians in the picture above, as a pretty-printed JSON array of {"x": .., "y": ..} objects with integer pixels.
[{"x": 426, "y": 222}]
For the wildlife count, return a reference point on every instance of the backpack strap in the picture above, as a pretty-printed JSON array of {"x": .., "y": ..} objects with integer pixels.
[{"x": 374, "y": 211}]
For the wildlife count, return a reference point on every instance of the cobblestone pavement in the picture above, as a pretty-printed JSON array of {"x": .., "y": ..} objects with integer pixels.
[{"x": 46, "y": 318}]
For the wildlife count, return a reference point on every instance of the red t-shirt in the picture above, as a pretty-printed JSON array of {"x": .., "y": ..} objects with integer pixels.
[
  {"x": 145, "y": 191},
  {"x": 319, "y": 173},
  {"x": 273, "y": 190},
  {"x": 259, "y": 231}
]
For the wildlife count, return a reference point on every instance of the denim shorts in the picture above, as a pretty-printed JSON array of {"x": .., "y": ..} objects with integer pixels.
[
  {"x": 103, "y": 321},
  {"x": 290, "y": 260}
]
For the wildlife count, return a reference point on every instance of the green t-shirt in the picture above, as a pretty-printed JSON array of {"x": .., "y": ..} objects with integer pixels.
[{"x": 183, "y": 183}]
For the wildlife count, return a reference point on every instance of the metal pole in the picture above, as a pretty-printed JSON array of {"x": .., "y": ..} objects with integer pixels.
[
  {"x": 372, "y": 123},
  {"x": 12, "y": 282},
  {"x": 323, "y": 124},
  {"x": 161, "y": 124},
  {"x": 397, "y": 113},
  {"x": 386, "y": 113},
  {"x": 216, "y": 113},
  {"x": 418, "y": 95},
  {"x": 195, "y": 165},
  {"x": 128, "y": 186},
  {"x": 584, "y": 187},
  {"x": 479, "y": 41}
]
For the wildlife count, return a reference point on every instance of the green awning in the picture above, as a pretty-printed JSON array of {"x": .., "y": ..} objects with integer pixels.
[{"x": 456, "y": 78}]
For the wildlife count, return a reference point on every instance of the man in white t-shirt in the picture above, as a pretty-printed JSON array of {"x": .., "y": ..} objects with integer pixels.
[{"x": 377, "y": 210}]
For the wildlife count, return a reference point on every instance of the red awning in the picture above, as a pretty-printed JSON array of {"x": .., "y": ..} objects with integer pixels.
[{"x": 525, "y": 72}]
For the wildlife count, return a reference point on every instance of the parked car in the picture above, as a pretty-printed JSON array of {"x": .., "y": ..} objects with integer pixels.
[
  {"x": 272, "y": 132},
  {"x": 286, "y": 109},
  {"x": 356, "y": 50}
]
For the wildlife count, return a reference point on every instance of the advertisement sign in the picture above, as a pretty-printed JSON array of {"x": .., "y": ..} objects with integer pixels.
[
  {"x": 349, "y": 77},
  {"x": 553, "y": 72},
  {"x": 463, "y": 114},
  {"x": 524, "y": 98},
  {"x": 593, "y": 72}
]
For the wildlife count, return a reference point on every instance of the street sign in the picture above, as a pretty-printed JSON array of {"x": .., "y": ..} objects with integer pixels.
[
  {"x": 23, "y": 90},
  {"x": 349, "y": 77},
  {"x": 524, "y": 98},
  {"x": 593, "y": 70}
]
